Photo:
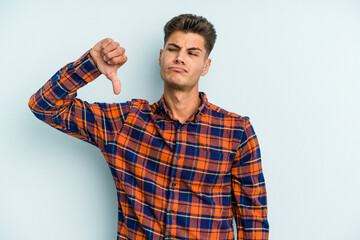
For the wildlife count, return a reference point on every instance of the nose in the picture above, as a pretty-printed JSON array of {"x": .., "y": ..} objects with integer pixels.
[{"x": 180, "y": 58}]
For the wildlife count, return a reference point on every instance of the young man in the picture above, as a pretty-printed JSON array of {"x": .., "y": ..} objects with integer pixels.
[{"x": 183, "y": 167}]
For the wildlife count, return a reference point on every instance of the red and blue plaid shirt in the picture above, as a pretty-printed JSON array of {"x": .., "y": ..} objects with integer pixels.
[{"x": 173, "y": 180}]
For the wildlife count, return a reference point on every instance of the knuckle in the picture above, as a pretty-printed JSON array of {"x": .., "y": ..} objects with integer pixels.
[
  {"x": 106, "y": 41},
  {"x": 124, "y": 58},
  {"x": 119, "y": 51}
]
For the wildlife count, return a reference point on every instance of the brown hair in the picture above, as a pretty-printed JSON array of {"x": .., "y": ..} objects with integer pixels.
[{"x": 194, "y": 24}]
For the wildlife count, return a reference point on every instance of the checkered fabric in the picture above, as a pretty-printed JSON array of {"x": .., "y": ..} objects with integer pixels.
[{"x": 173, "y": 180}]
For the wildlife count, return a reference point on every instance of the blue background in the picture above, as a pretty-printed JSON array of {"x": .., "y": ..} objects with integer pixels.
[{"x": 293, "y": 67}]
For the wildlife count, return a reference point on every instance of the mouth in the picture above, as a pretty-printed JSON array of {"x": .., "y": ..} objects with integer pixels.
[{"x": 178, "y": 69}]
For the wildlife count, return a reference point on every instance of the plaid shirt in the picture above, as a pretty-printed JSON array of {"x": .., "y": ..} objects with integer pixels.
[{"x": 173, "y": 180}]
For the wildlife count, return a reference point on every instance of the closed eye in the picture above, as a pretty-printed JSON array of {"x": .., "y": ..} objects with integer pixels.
[{"x": 193, "y": 54}]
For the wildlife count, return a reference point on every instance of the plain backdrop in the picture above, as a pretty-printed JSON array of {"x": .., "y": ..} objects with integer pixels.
[{"x": 293, "y": 67}]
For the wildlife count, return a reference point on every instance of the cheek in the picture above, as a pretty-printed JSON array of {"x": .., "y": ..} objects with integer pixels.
[
  {"x": 199, "y": 67},
  {"x": 165, "y": 61}
]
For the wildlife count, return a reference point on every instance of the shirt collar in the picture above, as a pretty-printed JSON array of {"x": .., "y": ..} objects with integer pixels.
[{"x": 195, "y": 117}]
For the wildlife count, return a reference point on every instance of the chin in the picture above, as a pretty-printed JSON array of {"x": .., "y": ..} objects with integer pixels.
[
  {"x": 174, "y": 80},
  {"x": 177, "y": 82}
]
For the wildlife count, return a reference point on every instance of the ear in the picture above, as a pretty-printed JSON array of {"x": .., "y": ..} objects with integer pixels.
[
  {"x": 206, "y": 67},
  {"x": 161, "y": 51}
]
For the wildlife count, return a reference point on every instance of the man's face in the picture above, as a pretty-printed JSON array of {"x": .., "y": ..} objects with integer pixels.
[{"x": 183, "y": 61}]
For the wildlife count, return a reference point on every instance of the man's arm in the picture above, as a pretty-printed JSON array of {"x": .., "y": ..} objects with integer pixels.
[
  {"x": 56, "y": 103},
  {"x": 248, "y": 189}
]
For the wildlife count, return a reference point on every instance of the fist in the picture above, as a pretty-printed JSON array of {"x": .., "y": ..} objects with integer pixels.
[{"x": 108, "y": 57}]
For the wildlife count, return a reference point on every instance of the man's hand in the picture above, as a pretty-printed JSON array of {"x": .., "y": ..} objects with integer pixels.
[{"x": 108, "y": 57}]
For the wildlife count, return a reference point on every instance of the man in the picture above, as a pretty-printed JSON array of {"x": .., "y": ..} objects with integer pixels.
[{"x": 183, "y": 167}]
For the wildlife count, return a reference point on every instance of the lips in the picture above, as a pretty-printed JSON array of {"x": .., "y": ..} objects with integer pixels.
[{"x": 178, "y": 69}]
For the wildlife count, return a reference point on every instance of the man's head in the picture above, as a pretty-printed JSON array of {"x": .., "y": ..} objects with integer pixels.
[
  {"x": 189, "y": 23},
  {"x": 188, "y": 42}
]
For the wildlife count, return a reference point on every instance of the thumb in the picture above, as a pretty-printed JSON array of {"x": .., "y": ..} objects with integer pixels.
[{"x": 115, "y": 83}]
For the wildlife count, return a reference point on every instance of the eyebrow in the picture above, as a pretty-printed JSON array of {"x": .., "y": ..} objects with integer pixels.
[{"x": 191, "y": 49}]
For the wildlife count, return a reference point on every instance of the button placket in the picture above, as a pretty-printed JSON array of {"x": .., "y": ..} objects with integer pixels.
[{"x": 173, "y": 182}]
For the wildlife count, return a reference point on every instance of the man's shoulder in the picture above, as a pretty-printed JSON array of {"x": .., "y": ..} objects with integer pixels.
[
  {"x": 219, "y": 112},
  {"x": 139, "y": 103}
]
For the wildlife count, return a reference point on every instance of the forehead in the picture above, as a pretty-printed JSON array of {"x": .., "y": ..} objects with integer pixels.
[{"x": 186, "y": 40}]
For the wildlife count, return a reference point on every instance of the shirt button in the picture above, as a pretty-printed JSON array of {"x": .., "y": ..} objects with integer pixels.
[
  {"x": 171, "y": 211},
  {"x": 174, "y": 184},
  {"x": 178, "y": 157}
]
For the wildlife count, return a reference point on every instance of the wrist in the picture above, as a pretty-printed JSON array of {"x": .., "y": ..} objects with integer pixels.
[{"x": 92, "y": 60}]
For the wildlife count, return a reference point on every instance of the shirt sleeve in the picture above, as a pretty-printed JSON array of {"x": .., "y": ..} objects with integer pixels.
[
  {"x": 56, "y": 104},
  {"x": 248, "y": 189}
]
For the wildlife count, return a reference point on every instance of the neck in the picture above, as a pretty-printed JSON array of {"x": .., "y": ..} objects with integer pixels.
[{"x": 182, "y": 104}]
